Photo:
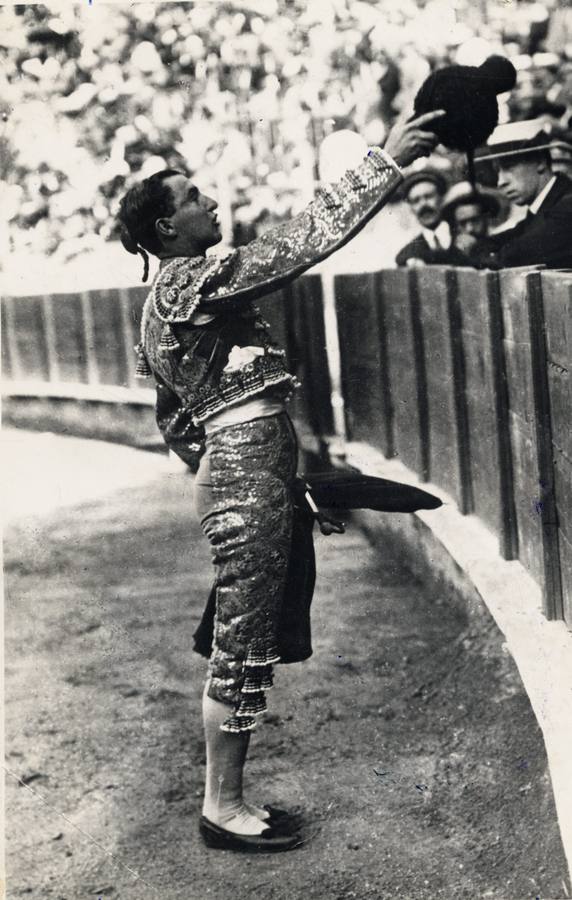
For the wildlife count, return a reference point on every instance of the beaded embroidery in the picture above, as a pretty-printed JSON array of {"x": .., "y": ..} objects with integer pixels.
[
  {"x": 328, "y": 197},
  {"x": 258, "y": 679},
  {"x": 249, "y": 527},
  {"x": 216, "y": 284},
  {"x": 142, "y": 367},
  {"x": 176, "y": 292}
]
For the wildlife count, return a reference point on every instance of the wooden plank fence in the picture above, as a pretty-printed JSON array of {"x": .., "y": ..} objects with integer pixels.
[
  {"x": 365, "y": 376},
  {"x": 440, "y": 323},
  {"x": 557, "y": 300},
  {"x": 486, "y": 402},
  {"x": 406, "y": 372},
  {"x": 463, "y": 375},
  {"x": 530, "y": 432},
  {"x": 296, "y": 317}
]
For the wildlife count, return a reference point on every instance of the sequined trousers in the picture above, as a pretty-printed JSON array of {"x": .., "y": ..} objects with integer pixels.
[{"x": 243, "y": 496}]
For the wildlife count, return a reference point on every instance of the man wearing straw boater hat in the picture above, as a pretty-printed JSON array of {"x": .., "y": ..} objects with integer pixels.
[{"x": 520, "y": 155}]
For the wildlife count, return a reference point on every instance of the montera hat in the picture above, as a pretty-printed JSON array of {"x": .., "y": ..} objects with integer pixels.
[
  {"x": 468, "y": 94},
  {"x": 463, "y": 193},
  {"x": 431, "y": 175},
  {"x": 515, "y": 139}
]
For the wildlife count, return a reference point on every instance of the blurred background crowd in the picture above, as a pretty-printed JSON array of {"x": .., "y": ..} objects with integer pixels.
[{"x": 242, "y": 94}]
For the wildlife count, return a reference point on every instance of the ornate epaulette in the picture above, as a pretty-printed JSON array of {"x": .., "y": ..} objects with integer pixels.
[
  {"x": 176, "y": 291},
  {"x": 174, "y": 297},
  {"x": 177, "y": 288}
]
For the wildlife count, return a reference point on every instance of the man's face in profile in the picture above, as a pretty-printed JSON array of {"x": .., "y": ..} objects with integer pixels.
[
  {"x": 195, "y": 219},
  {"x": 425, "y": 202},
  {"x": 519, "y": 178}
]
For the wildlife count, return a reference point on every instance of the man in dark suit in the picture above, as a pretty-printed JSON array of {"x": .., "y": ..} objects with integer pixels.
[
  {"x": 424, "y": 191},
  {"x": 469, "y": 212},
  {"x": 520, "y": 153}
]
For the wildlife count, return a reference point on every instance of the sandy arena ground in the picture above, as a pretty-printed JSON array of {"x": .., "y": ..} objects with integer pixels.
[{"x": 407, "y": 740}]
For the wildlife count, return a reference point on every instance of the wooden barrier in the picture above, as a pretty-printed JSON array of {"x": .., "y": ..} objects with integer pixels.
[
  {"x": 406, "y": 373},
  {"x": 440, "y": 325},
  {"x": 464, "y": 375},
  {"x": 364, "y": 360},
  {"x": 8, "y": 338},
  {"x": 307, "y": 355},
  {"x": 557, "y": 302},
  {"x": 486, "y": 403},
  {"x": 275, "y": 311},
  {"x": 24, "y": 323},
  {"x": 112, "y": 352},
  {"x": 70, "y": 330},
  {"x": 530, "y": 432}
]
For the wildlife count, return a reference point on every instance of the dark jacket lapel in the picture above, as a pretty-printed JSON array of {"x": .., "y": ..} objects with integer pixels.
[{"x": 561, "y": 186}]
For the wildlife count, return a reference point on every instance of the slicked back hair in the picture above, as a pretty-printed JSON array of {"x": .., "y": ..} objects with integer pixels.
[{"x": 142, "y": 205}]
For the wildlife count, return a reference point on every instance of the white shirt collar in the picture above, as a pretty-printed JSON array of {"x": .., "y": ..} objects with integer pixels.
[
  {"x": 443, "y": 235},
  {"x": 538, "y": 201}
]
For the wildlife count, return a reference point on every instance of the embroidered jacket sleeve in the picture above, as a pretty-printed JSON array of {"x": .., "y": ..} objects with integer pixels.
[{"x": 336, "y": 214}]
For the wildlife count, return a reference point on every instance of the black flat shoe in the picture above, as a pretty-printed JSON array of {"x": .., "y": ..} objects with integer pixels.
[
  {"x": 271, "y": 840},
  {"x": 277, "y": 816}
]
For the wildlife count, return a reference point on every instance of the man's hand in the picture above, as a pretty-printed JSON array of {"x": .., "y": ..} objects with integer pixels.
[
  {"x": 406, "y": 142},
  {"x": 466, "y": 242}
]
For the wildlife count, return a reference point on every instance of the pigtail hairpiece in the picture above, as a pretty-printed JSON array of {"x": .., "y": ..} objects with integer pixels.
[
  {"x": 132, "y": 246},
  {"x": 142, "y": 253},
  {"x": 139, "y": 209}
]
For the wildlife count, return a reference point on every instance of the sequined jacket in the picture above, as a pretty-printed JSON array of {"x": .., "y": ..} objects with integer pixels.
[{"x": 200, "y": 308}]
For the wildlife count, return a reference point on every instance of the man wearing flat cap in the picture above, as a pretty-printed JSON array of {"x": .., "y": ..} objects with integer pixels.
[
  {"x": 468, "y": 212},
  {"x": 520, "y": 154},
  {"x": 424, "y": 192}
]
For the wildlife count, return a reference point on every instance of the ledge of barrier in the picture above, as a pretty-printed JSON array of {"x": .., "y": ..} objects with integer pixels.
[
  {"x": 118, "y": 414},
  {"x": 103, "y": 393},
  {"x": 104, "y": 412},
  {"x": 457, "y": 550}
]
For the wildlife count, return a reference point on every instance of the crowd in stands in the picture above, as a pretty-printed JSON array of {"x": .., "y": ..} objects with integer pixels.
[
  {"x": 457, "y": 226},
  {"x": 241, "y": 94}
]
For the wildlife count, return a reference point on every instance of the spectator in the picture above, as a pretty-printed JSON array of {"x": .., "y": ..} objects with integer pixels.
[
  {"x": 521, "y": 154},
  {"x": 424, "y": 191},
  {"x": 560, "y": 93},
  {"x": 561, "y": 152},
  {"x": 468, "y": 213},
  {"x": 195, "y": 81}
]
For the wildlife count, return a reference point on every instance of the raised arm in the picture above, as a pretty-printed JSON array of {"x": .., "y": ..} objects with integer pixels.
[{"x": 337, "y": 213}]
